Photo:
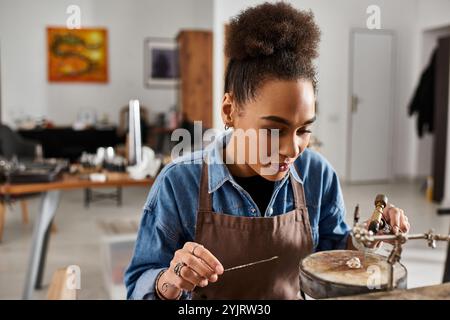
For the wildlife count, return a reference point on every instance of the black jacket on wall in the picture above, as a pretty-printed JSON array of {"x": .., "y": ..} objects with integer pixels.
[{"x": 423, "y": 101}]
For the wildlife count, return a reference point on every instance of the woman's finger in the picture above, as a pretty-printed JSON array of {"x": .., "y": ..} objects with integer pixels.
[
  {"x": 178, "y": 280},
  {"x": 394, "y": 218},
  {"x": 182, "y": 283},
  {"x": 407, "y": 227},
  {"x": 195, "y": 264},
  {"x": 193, "y": 277},
  {"x": 209, "y": 258},
  {"x": 201, "y": 252},
  {"x": 404, "y": 223}
]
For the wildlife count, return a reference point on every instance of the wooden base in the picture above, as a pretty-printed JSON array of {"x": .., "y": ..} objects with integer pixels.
[{"x": 58, "y": 289}]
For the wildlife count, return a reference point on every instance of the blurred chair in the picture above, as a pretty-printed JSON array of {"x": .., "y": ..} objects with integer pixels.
[
  {"x": 13, "y": 145},
  {"x": 59, "y": 288}
]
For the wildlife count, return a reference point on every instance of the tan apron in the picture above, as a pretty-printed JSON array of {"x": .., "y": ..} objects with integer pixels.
[{"x": 237, "y": 240}]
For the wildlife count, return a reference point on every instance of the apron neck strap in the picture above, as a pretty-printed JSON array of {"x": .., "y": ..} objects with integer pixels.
[
  {"x": 204, "y": 198},
  {"x": 297, "y": 189}
]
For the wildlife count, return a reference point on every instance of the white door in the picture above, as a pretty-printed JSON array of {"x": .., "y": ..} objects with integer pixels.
[{"x": 370, "y": 120}]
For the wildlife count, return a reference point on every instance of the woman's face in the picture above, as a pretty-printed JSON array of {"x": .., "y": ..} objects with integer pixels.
[{"x": 288, "y": 106}]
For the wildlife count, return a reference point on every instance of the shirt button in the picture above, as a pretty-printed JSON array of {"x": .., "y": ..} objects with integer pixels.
[
  {"x": 253, "y": 210},
  {"x": 270, "y": 210}
]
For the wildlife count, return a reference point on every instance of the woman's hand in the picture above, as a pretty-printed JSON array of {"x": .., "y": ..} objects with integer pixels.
[
  {"x": 396, "y": 218},
  {"x": 191, "y": 266}
]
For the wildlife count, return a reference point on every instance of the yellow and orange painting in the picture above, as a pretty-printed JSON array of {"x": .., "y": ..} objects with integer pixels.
[{"x": 77, "y": 55}]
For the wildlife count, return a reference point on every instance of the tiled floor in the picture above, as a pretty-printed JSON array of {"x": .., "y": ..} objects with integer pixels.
[
  {"x": 78, "y": 238},
  {"x": 76, "y": 242}
]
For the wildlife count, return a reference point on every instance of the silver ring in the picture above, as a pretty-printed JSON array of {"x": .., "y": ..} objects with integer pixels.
[
  {"x": 387, "y": 228},
  {"x": 178, "y": 267}
]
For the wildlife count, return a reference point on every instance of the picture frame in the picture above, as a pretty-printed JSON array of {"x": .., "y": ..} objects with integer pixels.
[
  {"x": 161, "y": 63},
  {"x": 77, "y": 55}
]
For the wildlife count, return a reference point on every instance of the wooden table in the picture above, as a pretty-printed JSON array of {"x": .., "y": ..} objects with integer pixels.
[
  {"x": 51, "y": 193},
  {"x": 437, "y": 292}
]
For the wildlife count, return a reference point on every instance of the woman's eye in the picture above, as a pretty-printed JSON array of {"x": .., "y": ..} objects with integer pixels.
[{"x": 303, "y": 132}]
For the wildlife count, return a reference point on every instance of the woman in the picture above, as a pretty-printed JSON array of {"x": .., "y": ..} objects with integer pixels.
[{"x": 203, "y": 216}]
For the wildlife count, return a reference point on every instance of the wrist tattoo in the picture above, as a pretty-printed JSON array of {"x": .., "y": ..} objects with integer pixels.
[{"x": 164, "y": 287}]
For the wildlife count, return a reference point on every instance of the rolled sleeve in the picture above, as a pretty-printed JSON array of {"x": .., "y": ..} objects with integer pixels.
[
  {"x": 144, "y": 287},
  {"x": 333, "y": 230},
  {"x": 160, "y": 235}
]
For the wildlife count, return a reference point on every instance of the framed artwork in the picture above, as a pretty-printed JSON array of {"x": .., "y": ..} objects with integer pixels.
[
  {"x": 77, "y": 55},
  {"x": 161, "y": 63}
]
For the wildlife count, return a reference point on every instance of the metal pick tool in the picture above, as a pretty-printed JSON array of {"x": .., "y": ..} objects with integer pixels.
[{"x": 250, "y": 264}]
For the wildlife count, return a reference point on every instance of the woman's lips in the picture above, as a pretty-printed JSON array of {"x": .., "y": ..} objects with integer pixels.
[{"x": 281, "y": 167}]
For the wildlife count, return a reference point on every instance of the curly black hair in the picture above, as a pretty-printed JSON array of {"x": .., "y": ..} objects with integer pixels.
[{"x": 269, "y": 41}]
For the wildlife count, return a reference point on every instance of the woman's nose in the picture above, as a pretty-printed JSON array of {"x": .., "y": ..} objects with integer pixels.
[{"x": 290, "y": 149}]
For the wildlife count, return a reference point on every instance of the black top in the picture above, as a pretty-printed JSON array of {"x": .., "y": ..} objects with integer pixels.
[{"x": 260, "y": 190}]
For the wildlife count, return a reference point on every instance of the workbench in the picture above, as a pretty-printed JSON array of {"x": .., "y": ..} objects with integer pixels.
[{"x": 436, "y": 292}]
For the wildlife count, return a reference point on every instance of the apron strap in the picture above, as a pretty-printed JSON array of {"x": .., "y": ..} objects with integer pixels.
[
  {"x": 298, "y": 190},
  {"x": 204, "y": 198}
]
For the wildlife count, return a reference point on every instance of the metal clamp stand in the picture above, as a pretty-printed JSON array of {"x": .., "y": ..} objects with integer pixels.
[{"x": 366, "y": 237}]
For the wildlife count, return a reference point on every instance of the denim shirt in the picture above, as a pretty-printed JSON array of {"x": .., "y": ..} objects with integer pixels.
[{"x": 170, "y": 212}]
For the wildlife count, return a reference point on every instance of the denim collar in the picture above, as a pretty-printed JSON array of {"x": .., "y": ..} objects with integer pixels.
[{"x": 218, "y": 172}]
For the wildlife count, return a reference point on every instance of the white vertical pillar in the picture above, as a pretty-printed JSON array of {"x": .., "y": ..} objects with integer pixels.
[{"x": 134, "y": 130}]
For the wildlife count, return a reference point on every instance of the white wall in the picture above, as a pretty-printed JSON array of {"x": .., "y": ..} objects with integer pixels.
[
  {"x": 25, "y": 89},
  {"x": 336, "y": 18},
  {"x": 434, "y": 13}
]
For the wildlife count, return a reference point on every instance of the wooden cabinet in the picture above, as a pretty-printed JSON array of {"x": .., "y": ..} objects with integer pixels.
[{"x": 195, "y": 93}]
